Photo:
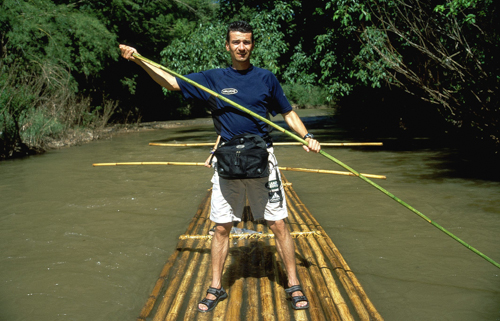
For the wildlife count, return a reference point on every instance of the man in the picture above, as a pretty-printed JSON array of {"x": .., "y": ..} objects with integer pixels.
[{"x": 258, "y": 90}]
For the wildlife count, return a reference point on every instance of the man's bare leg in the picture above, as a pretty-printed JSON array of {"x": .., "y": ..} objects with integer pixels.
[
  {"x": 220, "y": 247},
  {"x": 286, "y": 249}
]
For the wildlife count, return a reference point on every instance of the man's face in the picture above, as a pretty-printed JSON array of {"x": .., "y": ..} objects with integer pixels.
[{"x": 240, "y": 46}]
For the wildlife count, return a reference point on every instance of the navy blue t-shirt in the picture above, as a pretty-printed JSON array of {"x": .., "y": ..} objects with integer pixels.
[{"x": 255, "y": 89}]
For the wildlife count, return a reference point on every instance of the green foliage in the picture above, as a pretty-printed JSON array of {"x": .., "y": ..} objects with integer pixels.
[
  {"x": 298, "y": 67},
  {"x": 464, "y": 8},
  {"x": 204, "y": 47},
  {"x": 201, "y": 50},
  {"x": 40, "y": 31},
  {"x": 373, "y": 57},
  {"x": 301, "y": 96},
  {"x": 442, "y": 51}
]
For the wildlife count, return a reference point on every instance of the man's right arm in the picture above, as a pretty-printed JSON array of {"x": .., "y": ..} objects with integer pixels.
[{"x": 163, "y": 78}]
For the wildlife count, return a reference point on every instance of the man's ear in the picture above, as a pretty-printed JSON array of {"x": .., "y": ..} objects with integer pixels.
[{"x": 227, "y": 46}]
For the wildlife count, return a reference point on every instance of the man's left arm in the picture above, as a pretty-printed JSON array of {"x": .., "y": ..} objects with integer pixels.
[{"x": 295, "y": 123}]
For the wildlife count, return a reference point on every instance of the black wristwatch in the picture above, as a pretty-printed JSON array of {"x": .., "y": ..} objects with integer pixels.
[{"x": 308, "y": 135}]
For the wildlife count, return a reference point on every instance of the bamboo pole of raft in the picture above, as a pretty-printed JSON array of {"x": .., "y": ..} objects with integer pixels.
[
  {"x": 191, "y": 270},
  {"x": 276, "y": 144},
  {"x": 198, "y": 256},
  {"x": 322, "y": 152},
  {"x": 341, "y": 268},
  {"x": 321, "y": 269},
  {"x": 324, "y": 282},
  {"x": 261, "y": 283},
  {"x": 279, "y": 292},
  {"x": 338, "y": 268},
  {"x": 146, "y": 310},
  {"x": 295, "y": 169},
  {"x": 234, "y": 304},
  {"x": 306, "y": 280},
  {"x": 297, "y": 234},
  {"x": 251, "y": 286},
  {"x": 223, "y": 307},
  {"x": 204, "y": 274},
  {"x": 176, "y": 280},
  {"x": 266, "y": 288},
  {"x": 241, "y": 262},
  {"x": 199, "y": 286}
]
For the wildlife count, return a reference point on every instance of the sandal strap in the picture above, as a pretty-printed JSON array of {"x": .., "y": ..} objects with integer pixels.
[
  {"x": 216, "y": 292},
  {"x": 207, "y": 302},
  {"x": 294, "y": 288},
  {"x": 299, "y": 298}
]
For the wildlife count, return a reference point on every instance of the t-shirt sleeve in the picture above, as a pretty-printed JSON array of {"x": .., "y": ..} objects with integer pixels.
[
  {"x": 280, "y": 105},
  {"x": 190, "y": 91}
]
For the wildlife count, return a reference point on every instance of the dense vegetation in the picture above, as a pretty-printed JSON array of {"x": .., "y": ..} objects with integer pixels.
[{"x": 400, "y": 63}]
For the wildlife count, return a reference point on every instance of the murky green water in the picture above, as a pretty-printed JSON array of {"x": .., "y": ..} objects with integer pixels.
[{"x": 87, "y": 243}]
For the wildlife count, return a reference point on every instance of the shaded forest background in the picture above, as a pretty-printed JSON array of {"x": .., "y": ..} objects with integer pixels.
[{"x": 388, "y": 66}]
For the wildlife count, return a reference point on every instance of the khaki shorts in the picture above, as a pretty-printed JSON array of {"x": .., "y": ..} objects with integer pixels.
[{"x": 266, "y": 198}]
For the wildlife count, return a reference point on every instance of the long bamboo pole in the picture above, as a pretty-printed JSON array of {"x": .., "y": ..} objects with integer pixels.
[
  {"x": 295, "y": 169},
  {"x": 255, "y": 236},
  {"x": 148, "y": 163},
  {"x": 276, "y": 144},
  {"x": 330, "y": 144},
  {"x": 324, "y": 171},
  {"x": 322, "y": 152}
]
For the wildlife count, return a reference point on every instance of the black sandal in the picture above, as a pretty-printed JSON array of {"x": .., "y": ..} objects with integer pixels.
[
  {"x": 220, "y": 295},
  {"x": 297, "y": 299}
]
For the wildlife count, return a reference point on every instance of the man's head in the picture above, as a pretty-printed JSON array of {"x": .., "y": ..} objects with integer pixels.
[
  {"x": 241, "y": 26},
  {"x": 240, "y": 44}
]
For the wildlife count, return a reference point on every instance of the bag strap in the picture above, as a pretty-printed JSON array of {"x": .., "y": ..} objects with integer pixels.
[
  {"x": 266, "y": 138},
  {"x": 275, "y": 166}
]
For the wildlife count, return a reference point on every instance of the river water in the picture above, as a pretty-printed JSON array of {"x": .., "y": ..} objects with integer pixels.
[{"x": 87, "y": 243}]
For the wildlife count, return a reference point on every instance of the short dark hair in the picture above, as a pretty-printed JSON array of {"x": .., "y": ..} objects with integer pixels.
[{"x": 241, "y": 26}]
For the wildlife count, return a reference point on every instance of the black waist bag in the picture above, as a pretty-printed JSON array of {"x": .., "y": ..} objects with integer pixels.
[{"x": 244, "y": 156}]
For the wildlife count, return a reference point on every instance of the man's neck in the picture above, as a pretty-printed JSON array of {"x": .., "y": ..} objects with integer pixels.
[{"x": 241, "y": 65}]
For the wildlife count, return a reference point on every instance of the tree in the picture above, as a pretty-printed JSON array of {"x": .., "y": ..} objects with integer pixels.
[
  {"x": 440, "y": 51},
  {"x": 44, "y": 48}
]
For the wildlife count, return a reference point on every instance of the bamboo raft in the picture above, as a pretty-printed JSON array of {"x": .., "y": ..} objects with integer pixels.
[{"x": 254, "y": 275}]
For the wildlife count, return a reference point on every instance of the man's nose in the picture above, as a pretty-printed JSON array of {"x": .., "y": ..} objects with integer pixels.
[{"x": 241, "y": 46}]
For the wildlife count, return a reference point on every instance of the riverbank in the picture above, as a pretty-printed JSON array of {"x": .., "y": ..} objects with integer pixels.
[{"x": 82, "y": 136}]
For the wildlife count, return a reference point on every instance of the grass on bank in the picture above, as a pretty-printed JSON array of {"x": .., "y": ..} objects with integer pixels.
[{"x": 41, "y": 109}]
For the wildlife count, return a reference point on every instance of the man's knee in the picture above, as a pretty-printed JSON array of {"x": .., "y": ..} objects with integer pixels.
[
  {"x": 223, "y": 229},
  {"x": 277, "y": 226}
]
